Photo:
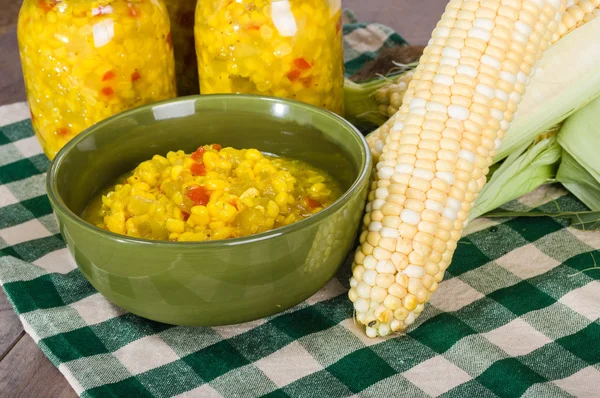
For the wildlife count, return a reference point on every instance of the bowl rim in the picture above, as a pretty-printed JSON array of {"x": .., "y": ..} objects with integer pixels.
[{"x": 60, "y": 207}]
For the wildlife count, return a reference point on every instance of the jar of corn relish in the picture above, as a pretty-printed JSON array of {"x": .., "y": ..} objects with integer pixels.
[
  {"x": 84, "y": 61},
  {"x": 283, "y": 48},
  {"x": 181, "y": 13}
]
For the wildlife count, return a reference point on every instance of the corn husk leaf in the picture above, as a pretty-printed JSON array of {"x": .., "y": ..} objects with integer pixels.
[
  {"x": 567, "y": 78},
  {"x": 579, "y": 171},
  {"x": 577, "y": 180},
  {"x": 522, "y": 172}
]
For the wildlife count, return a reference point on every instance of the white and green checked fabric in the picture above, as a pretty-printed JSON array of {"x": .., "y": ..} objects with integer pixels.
[{"x": 516, "y": 316}]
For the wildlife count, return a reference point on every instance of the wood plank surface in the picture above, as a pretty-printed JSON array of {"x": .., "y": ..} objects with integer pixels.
[
  {"x": 11, "y": 329},
  {"x": 26, "y": 373}
]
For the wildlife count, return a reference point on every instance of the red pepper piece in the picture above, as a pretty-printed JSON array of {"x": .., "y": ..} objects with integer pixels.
[
  {"x": 170, "y": 40},
  {"x": 108, "y": 91},
  {"x": 198, "y": 154},
  {"x": 185, "y": 215},
  {"x": 198, "y": 169},
  {"x": 134, "y": 11},
  {"x": 135, "y": 76},
  {"x": 313, "y": 204},
  {"x": 302, "y": 64},
  {"x": 108, "y": 75},
  {"x": 63, "y": 131},
  {"x": 47, "y": 5},
  {"x": 293, "y": 75},
  {"x": 216, "y": 147},
  {"x": 198, "y": 195}
]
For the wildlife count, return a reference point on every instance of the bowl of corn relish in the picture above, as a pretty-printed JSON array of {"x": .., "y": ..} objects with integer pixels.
[{"x": 211, "y": 210}]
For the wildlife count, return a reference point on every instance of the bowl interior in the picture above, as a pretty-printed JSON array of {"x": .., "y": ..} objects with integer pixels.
[{"x": 95, "y": 158}]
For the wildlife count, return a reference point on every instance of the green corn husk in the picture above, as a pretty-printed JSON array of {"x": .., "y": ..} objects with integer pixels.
[
  {"x": 567, "y": 78},
  {"x": 522, "y": 172},
  {"x": 579, "y": 171},
  {"x": 579, "y": 181}
]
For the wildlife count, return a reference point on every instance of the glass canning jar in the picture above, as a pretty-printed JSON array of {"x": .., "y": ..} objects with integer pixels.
[
  {"x": 84, "y": 61},
  {"x": 284, "y": 48}
]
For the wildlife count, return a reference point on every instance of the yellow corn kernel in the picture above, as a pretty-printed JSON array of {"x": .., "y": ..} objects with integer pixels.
[
  {"x": 281, "y": 199},
  {"x": 211, "y": 160},
  {"x": 178, "y": 198},
  {"x": 174, "y": 225},
  {"x": 222, "y": 233},
  {"x": 216, "y": 225},
  {"x": 215, "y": 185},
  {"x": 279, "y": 185},
  {"x": 317, "y": 188},
  {"x": 272, "y": 209},
  {"x": 185, "y": 237},
  {"x": 116, "y": 222},
  {"x": 253, "y": 154}
]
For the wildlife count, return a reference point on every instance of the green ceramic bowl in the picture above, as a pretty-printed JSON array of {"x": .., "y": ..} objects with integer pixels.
[{"x": 216, "y": 282}]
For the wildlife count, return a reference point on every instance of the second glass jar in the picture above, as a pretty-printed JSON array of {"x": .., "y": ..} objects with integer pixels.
[{"x": 289, "y": 49}]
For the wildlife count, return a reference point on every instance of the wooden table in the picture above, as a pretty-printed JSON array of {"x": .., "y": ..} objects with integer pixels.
[{"x": 24, "y": 370}]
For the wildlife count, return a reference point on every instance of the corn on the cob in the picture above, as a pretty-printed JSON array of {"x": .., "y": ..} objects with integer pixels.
[
  {"x": 577, "y": 14},
  {"x": 436, "y": 157},
  {"x": 389, "y": 97}
]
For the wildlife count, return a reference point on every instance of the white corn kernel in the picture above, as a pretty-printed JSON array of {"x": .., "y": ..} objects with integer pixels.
[
  {"x": 466, "y": 155},
  {"x": 483, "y": 23},
  {"x": 404, "y": 168},
  {"x": 410, "y": 217},
  {"x": 485, "y": 90},
  {"x": 385, "y": 267},
  {"x": 369, "y": 277},
  {"x": 371, "y": 332},
  {"x": 389, "y": 232},
  {"x": 369, "y": 262},
  {"x": 375, "y": 226},
  {"x": 443, "y": 79},
  {"x": 458, "y": 112},
  {"x": 385, "y": 173},
  {"x": 363, "y": 290},
  {"x": 491, "y": 61},
  {"x": 410, "y": 319},
  {"x": 361, "y": 305},
  {"x": 414, "y": 271},
  {"x": 398, "y": 126},
  {"x": 467, "y": 70},
  {"x": 446, "y": 177}
]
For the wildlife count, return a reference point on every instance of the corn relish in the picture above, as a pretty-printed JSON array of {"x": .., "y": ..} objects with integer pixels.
[
  {"x": 290, "y": 49},
  {"x": 84, "y": 61},
  {"x": 213, "y": 193}
]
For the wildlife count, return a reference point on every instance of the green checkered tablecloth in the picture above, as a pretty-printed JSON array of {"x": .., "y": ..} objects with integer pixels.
[{"x": 517, "y": 314}]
